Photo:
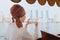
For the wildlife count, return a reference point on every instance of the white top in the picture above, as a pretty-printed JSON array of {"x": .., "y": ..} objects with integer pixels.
[{"x": 15, "y": 33}]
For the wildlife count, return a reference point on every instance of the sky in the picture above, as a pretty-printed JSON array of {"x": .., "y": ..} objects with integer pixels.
[{"x": 52, "y": 10}]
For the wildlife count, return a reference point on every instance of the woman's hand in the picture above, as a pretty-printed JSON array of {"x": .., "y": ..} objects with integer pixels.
[
  {"x": 36, "y": 23},
  {"x": 27, "y": 23}
]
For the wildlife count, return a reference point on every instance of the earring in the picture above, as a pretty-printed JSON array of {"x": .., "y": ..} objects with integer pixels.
[
  {"x": 51, "y": 2},
  {"x": 16, "y": 1},
  {"x": 41, "y": 2},
  {"x": 30, "y": 1},
  {"x": 58, "y": 2}
]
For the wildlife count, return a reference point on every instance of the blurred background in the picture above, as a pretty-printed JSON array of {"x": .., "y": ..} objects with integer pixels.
[{"x": 47, "y": 16}]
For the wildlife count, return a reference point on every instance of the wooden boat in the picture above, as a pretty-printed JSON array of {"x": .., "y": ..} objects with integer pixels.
[{"x": 48, "y": 36}]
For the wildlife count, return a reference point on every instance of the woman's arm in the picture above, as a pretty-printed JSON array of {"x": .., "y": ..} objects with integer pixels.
[{"x": 36, "y": 31}]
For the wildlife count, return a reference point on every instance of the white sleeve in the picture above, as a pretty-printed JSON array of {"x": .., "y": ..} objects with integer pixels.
[
  {"x": 35, "y": 36},
  {"x": 26, "y": 35}
]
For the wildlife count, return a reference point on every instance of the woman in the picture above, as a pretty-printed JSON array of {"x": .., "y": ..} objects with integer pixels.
[{"x": 16, "y": 30}]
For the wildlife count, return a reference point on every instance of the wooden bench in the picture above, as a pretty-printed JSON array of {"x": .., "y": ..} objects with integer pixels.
[{"x": 48, "y": 36}]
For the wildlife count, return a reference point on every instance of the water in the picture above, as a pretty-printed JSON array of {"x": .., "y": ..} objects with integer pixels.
[{"x": 53, "y": 28}]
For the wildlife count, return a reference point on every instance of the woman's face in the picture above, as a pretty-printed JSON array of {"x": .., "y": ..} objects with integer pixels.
[{"x": 22, "y": 18}]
